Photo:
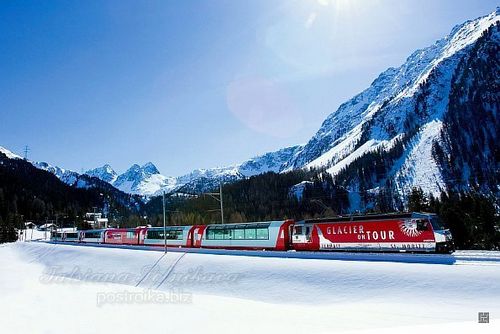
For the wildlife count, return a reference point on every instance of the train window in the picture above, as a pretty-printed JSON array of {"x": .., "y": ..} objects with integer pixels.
[
  {"x": 218, "y": 234},
  {"x": 239, "y": 234},
  {"x": 130, "y": 235},
  {"x": 154, "y": 234},
  {"x": 91, "y": 235},
  {"x": 262, "y": 233},
  {"x": 422, "y": 225},
  {"x": 250, "y": 233},
  {"x": 227, "y": 234},
  {"x": 174, "y": 234},
  {"x": 298, "y": 229}
]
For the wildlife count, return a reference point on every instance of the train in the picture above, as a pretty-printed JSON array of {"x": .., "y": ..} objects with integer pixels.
[{"x": 408, "y": 232}]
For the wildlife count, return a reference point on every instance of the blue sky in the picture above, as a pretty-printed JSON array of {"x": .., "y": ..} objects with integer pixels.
[{"x": 195, "y": 84}]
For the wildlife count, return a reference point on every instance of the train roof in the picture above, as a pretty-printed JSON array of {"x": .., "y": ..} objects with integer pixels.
[
  {"x": 240, "y": 225},
  {"x": 170, "y": 227},
  {"x": 122, "y": 229},
  {"x": 368, "y": 217},
  {"x": 222, "y": 226}
]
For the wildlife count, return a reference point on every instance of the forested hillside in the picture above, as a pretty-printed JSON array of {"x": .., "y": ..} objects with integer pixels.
[{"x": 30, "y": 194}]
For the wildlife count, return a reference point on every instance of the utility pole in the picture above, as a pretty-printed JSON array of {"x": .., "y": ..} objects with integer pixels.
[
  {"x": 218, "y": 197},
  {"x": 95, "y": 218},
  {"x": 221, "y": 204},
  {"x": 164, "y": 222},
  {"x": 26, "y": 150}
]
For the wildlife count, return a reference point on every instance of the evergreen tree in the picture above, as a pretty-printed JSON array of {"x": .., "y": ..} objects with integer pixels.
[{"x": 417, "y": 201}]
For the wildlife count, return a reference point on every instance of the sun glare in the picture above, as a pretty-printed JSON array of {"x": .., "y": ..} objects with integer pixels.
[
  {"x": 330, "y": 9},
  {"x": 339, "y": 5}
]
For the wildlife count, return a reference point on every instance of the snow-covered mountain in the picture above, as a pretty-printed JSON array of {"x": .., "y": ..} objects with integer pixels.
[
  {"x": 405, "y": 118},
  {"x": 269, "y": 162},
  {"x": 421, "y": 124},
  {"x": 8, "y": 153},
  {"x": 38, "y": 177},
  {"x": 69, "y": 177},
  {"x": 105, "y": 173},
  {"x": 143, "y": 180},
  {"x": 147, "y": 181},
  {"x": 207, "y": 179}
]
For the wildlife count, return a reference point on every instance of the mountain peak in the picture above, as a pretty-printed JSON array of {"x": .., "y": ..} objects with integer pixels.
[
  {"x": 134, "y": 167},
  {"x": 150, "y": 168},
  {"x": 143, "y": 180},
  {"x": 104, "y": 173}
]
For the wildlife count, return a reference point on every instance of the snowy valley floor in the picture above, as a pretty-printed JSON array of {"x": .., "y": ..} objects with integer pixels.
[{"x": 66, "y": 289}]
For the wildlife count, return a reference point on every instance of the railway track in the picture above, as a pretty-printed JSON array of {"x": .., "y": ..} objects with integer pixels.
[{"x": 464, "y": 257}]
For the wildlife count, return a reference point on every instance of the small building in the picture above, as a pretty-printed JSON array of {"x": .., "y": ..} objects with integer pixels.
[
  {"x": 29, "y": 225},
  {"x": 95, "y": 220},
  {"x": 47, "y": 227}
]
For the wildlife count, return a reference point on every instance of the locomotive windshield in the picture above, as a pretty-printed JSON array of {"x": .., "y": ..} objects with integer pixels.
[{"x": 437, "y": 223}]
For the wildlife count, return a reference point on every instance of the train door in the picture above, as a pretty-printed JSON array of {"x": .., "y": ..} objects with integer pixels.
[
  {"x": 190, "y": 239},
  {"x": 144, "y": 233},
  {"x": 198, "y": 236},
  {"x": 288, "y": 235},
  {"x": 138, "y": 236}
]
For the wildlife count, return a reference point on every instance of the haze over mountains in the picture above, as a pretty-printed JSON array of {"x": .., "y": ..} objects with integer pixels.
[{"x": 432, "y": 122}]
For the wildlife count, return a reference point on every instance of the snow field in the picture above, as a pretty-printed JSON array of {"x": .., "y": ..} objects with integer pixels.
[{"x": 51, "y": 288}]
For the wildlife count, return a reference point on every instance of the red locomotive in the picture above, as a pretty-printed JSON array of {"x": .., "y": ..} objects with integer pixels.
[{"x": 416, "y": 232}]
